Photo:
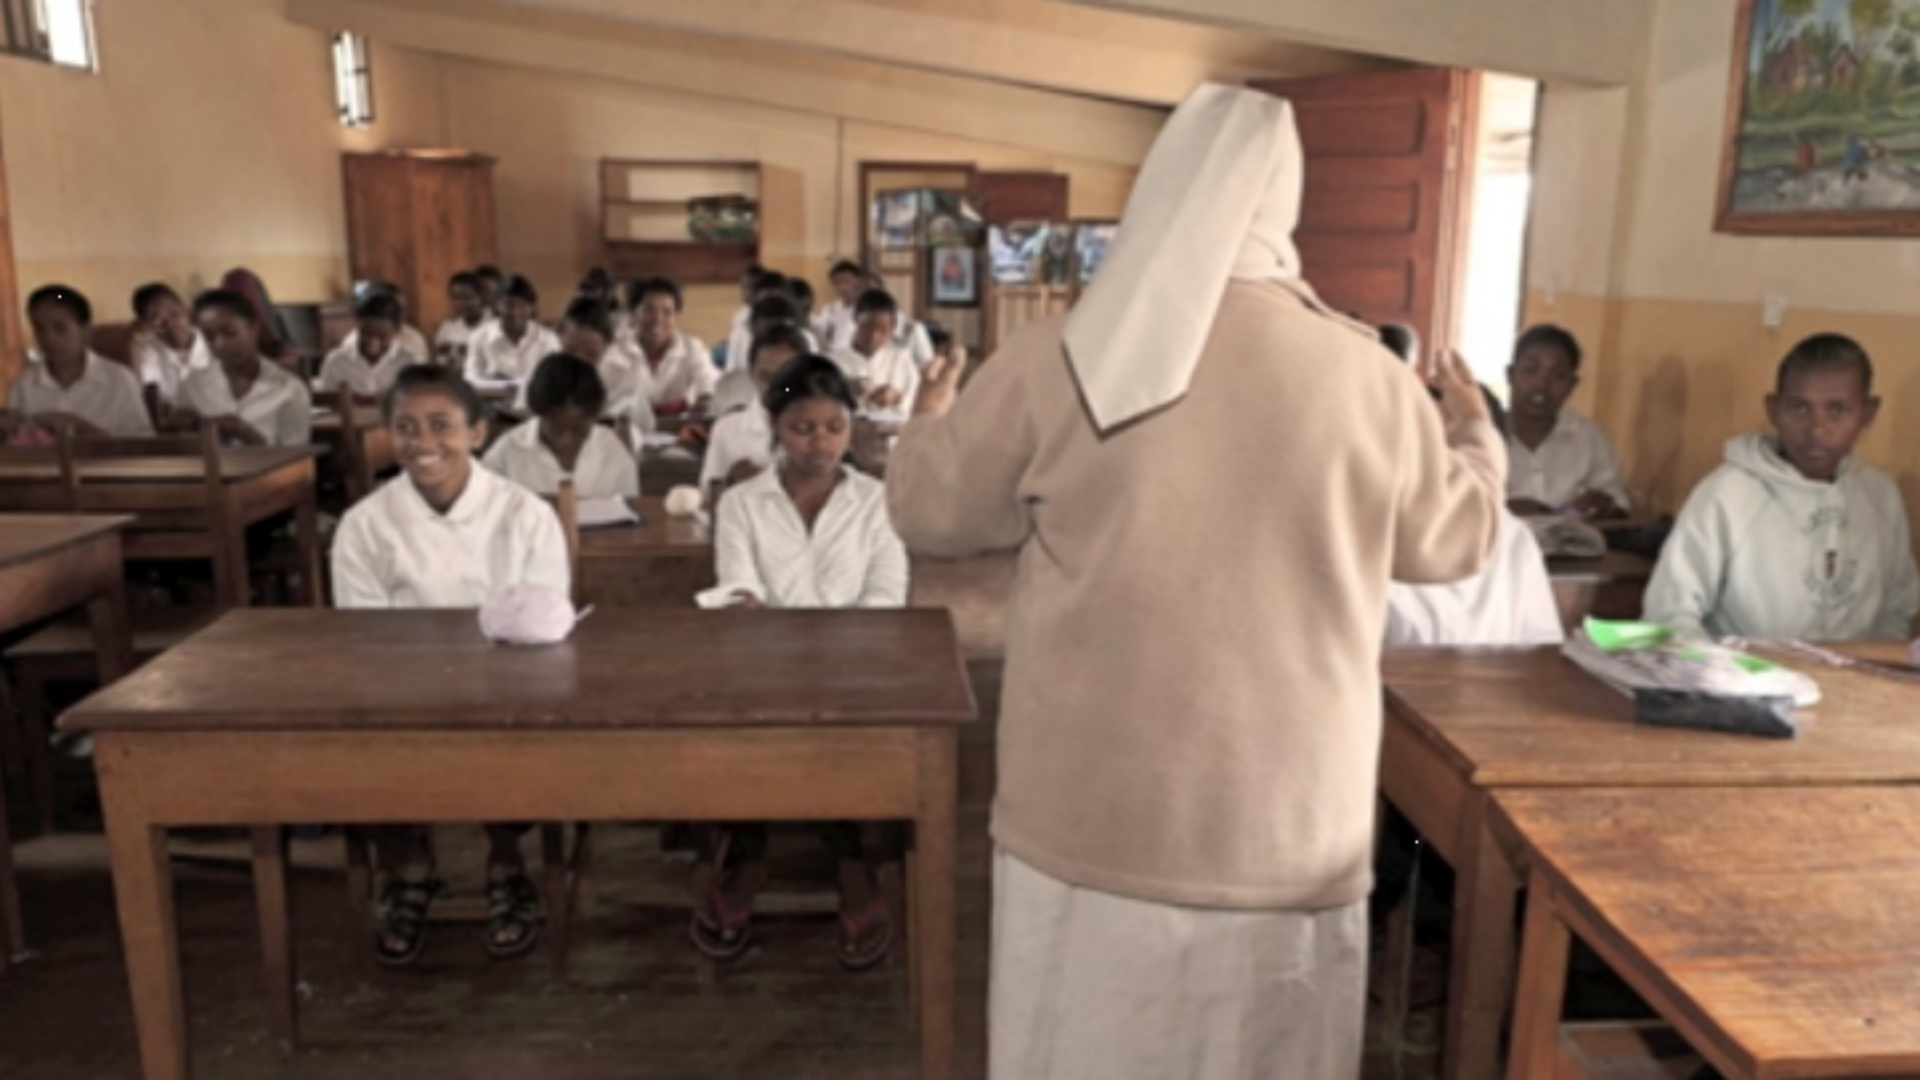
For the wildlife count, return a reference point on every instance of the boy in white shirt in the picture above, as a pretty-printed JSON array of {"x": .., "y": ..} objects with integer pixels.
[
  {"x": 1561, "y": 462},
  {"x": 445, "y": 534},
  {"x": 166, "y": 346},
  {"x": 885, "y": 369},
  {"x": 469, "y": 315},
  {"x": 678, "y": 370},
  {"x": 71, "y": 386},
  {"x": 1794, "y": 537},
  {"x": 741, "y": 445},
  {"x": 246, "y": 397},
  {"x": 565, "y": 440},
  {"x": 508, "y": 349},
  {"x": 366, "y": 364},
  {"x": 492, "y": 282}
]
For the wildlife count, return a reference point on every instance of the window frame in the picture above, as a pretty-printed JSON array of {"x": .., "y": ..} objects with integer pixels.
[{"x": 353, "y": 80}]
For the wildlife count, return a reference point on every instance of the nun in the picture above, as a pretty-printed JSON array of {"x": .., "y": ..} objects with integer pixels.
[{"x": 1209, "y": 478}]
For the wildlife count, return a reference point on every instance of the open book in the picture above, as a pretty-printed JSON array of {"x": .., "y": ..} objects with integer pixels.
[{"x": 597, "y": 513}]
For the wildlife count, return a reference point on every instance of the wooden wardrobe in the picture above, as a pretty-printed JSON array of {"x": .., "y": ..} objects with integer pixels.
[{"x": 415, "y": 217}]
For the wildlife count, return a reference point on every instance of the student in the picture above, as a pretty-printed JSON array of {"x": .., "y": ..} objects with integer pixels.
[
  {"x": 492, "y": 283},
  {"x": 565, "y": 440},
  {"x": 885, "y": 366},
  {"x": 749, "y": 288},
  {"x": 469, "y": 315},
  {"x": 507, "y": 349},
  {"x": 741, "y": 446},
  {"x": 1794, "y": 537},
  {"x": 276, "y": 342},
  {"x": 445, "y": 534},
  {"x": 771, "y": 295},
  {"x": 587, "y": 332},
  {"x": 367, "y": 363},
  {"x": 166, "y": 346},
  {"x": 1562, "y": 463},
  {"x": 678, "y": 370},
  {"x": 834, "y": 324},
  {"x": 248, "y": 398},
  {"x": 808, "y": 533},
  {"x": 908, "y": 332},
  {"x": 70, "y": 385},
  {"x": 800, "y": 290},
  {"x": 410, "y": 340}
]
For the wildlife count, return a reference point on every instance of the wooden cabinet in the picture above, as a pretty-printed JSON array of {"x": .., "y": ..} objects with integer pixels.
[
  {"x": 415, "y": 218},
  {"x": 697, "y": 222}
]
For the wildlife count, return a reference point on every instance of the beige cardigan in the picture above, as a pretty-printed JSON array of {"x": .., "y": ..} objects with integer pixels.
[{"x": 1191, "y": 704}]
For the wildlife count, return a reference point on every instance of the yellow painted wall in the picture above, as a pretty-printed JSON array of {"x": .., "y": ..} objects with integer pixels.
[{"x": 207, "y": 139}]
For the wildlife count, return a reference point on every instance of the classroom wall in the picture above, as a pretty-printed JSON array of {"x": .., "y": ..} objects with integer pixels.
[
  {"x": 207, "y": 139},
  {"x": 1623, "y": 252}
]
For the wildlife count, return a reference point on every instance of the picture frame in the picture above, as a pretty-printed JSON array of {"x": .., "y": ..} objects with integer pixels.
[
  {"x": 954, "y": 278},
  {"x": 1821, "y": 134},
  {"x": 1091, "y": 241},
  {"x": 1013, "y": 251},
  {"x": 896, "y": 219}
]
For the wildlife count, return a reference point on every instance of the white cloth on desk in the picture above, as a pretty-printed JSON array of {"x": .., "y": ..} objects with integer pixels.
[
  {"x": 1089, "y": 984},
  {"x": 492, "y": 355},
  {"x": 1509, "y": 603},
  {"x": 451, "y": 340},
  {"x": 686, "y": 373},
  {"x": 278, "y": 404},
  {"x": 605, "y": 468},
  {"x": 346, "y": 369},
  {"x": 107, "y": 395},
  {"x": 742, "y": 435},
  {"x": 394, "y": 551},
  {"x": 162, "y": 366},
  {"x": 850, "y": 558},
  {"x": 1575, "y": 457}
]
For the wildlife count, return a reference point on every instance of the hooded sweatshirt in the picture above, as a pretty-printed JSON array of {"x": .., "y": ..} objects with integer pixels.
[{"x": 1763, "y": 552}]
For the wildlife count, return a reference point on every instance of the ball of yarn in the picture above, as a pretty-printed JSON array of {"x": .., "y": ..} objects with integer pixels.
[
  {"x": 683, "y": 501},
  {"x": 526, "y": 615}
]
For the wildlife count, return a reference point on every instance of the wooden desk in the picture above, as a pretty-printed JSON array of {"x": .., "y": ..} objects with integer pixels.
[
  {"x": 370, "y": 454},
  {"x": 50, "y": 564},
  {"x": 1772, "y": 927},
  {"x": 1464, "y": 724},
  {"x": 1610, "y": 587},
  {"x": 654, "y": 715},
  {"x": 663, "y": 470},
  {"x": 661, "y": 562},
  {"x": 168, "y": 500}
]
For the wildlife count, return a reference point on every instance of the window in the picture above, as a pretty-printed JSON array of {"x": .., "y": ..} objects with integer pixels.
[
  {"x": 56, "y": 31},
  {"x": 352, "y": 79}
]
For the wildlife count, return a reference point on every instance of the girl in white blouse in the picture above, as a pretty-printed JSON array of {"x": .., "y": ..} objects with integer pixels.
[
  {"x": 509, "y": 348},
  {"x": 808, "y": 533},
  {"x": 246, "y": 397},
  {"x": 445, "y": 534},
  {"x": 69, "y": 385},
  {"x": 566, "y": 441}
]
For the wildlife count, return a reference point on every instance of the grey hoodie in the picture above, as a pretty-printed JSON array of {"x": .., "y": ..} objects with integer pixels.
[{"x": 1763, "y": 552}]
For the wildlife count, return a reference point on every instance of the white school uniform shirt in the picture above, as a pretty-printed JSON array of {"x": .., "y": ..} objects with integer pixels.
[
  {"x": 834, "y": 325},
  {"x": 745, "y": 434},
  {"x": 492, "y": 356},
  {"x": 891, "y": 365},
  {"x": 686, "y": 373},
  {"x": 451, "y": 340},
  {"x": 605, "y": 470},
  {"x": 625, "y": 382},
  {"x": 740, "y": 348},
  {"x": 106, "y": 395},
  {"x": 1509, "y": 603},
  {"x": 394, "y": 551},
  {"x": 409, "y": 339},
  {"x": 345, "y": 369},
  {"x": 1575, "y": 456},
  {"x": 278, "y": 405},
  {"x": 852, "y": 557},
  {"x": 166, "y": 368}
]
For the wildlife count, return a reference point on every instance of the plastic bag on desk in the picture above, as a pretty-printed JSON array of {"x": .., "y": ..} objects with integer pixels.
[{"x": 1641, "y": 656}]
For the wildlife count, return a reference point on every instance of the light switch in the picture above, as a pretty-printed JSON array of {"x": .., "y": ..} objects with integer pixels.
[{"x": 1773, "y": 311}]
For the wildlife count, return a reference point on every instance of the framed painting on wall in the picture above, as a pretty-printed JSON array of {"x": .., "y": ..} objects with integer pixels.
[
  {"x": 954, "y": 280},
  {"x": 1823, "y": 120}
]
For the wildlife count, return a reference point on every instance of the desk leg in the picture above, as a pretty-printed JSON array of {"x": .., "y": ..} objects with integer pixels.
[
  {"x": 143, "y": 893},
  {"x": 13, "y": 936},
  {"x": 112, "y": 630},
  {"x": 1543, "y": 987},
  {"x": 933, "y": 888},
  {"x": 232, "y": 573},
  {"x": 307, "y": 528},
  {"x": 1484, "y": 892},
  {"x": 276, "y": 932}
]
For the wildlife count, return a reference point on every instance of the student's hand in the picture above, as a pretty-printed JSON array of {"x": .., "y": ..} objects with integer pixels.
[
  {"x": 747, "y": 602},
  {"x": 1594, "y": 504},
  {"x": 1460, "y": 399},
  {"x": 53, "y": 423},
  {"x": 1529, "y": 508},
  {"x": 885, "y": 398},
  {"x": 940, "y": 383}
]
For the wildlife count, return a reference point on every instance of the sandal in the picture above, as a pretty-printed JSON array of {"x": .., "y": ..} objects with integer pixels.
[
  {"x": 726, "y": 933},
  {"x": 402, "y": 918},
  {"x": 866, "y": 937},
  {"x": 513, "y": 912}
]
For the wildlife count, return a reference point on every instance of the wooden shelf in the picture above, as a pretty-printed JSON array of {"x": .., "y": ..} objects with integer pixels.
[
  {"x": 649, "y": 198},
  {"x": 685, "y": 261}
]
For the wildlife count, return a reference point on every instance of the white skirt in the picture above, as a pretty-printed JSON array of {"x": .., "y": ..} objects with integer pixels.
[{"x": 1091, "y": 986}]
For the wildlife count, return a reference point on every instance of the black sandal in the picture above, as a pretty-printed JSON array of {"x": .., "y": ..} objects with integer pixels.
[
  {"x": 402, "y": 916},
  {"x": 513, "y": 904},
  {"x": 726, "y": 934},
  {"x": 866, "y": 937}
]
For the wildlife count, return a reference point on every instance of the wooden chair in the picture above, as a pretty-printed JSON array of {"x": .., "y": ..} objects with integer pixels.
[
  {"x": 354, "y": 465},
  {"x": 194, "y": 528}
]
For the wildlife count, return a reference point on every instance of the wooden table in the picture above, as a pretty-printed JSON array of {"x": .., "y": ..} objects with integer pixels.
[
  {"x": 168, "y": 499},
  {"x": 1610, "y": 587},
  {"x": 1772, "y": 927},
  {"x": 1464, "y": 724},
  {"x": 50, "y": 564},
  {"x": 661, "y": 562},
  {"x": 663, "y": 470},
  {"x": 654, "y": 715}
]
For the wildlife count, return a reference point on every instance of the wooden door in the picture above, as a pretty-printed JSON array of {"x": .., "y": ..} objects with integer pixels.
[
  {"x": 453, "y": 231},
  {"x": 13, "y": 344},
  {"x": 1389, "y": 187},
  {"x": 380, "y": 229}
]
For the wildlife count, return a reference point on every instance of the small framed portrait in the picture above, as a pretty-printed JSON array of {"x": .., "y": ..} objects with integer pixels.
[{"x": 955, "y": 281}]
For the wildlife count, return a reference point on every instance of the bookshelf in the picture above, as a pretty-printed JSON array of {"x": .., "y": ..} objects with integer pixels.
[{"x": 646, "y": 219}]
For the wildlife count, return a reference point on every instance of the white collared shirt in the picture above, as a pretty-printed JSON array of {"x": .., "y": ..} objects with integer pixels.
[
  {"x": 165, "y": 367},
  {"x": 891, "y": 365},
  {"x": 851, "y": 558},
  {"x": 492, "y": 356},
  {"x": 394, "y": 551},
  {"x": 604, "y": 470},
  {"x": 451, "y": 340},
  {"x": 1509, "y": 603},
  {"x": 278, "y": 405},
  {"x": 1575, "y": 457},
  {"x": 742, "y": 435},
  {"x": 834, "y": 325},
  {"x": 408, "y": 339},
  {"x": 106, "y": 395},
  {"x": 686, "y": 373},
  {"x": 740, "y": 348},
  {"x": 346, "y": 369}
]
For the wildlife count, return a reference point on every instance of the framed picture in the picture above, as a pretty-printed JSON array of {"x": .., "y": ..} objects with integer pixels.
[
  {"x": 954, "y": 281},
  {"x": 1013, "y": 251},
  {"x": 896, "y": 219},
  {"x": 1823, "y": 137},
  {"x": 1091, "y": 239}
]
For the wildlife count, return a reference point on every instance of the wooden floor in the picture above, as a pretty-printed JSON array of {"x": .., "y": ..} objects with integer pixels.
[{"x": 634, "y": 1006}]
